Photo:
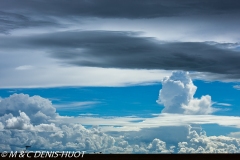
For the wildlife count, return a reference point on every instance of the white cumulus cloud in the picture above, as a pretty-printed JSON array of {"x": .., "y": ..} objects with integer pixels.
[
  {"x": 20, "y": 126},
  {"x": 177, "y": 96},
  {"x": 20, "y": 122},
  {"x": 38, "y": 109},
  {"x": 201, "y": 143}
]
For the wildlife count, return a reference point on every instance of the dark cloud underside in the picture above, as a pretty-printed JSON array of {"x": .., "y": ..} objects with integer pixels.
[
  {"x": 122, "y": 8},
  {"x": 15, "y": 14},
  {"x": 110, "y": 49},
  {"x": 10, "y": 21}
]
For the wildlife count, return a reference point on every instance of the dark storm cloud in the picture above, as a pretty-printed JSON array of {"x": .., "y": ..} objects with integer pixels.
[
  {"x": 9, "y": 21},
  {"x": 110, "y": 49},
  {"x": 122, "y": 8},
  {"x": 19, "y": 14}
]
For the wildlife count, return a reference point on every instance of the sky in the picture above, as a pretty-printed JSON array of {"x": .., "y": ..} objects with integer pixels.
[{"x": 117, "y": 76}]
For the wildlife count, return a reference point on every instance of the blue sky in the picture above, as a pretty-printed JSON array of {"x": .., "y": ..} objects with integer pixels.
[
  {"x": 120, "y": 77},
  {"x": 133, "y": 101},
  {"x": 129, "y": 100}
]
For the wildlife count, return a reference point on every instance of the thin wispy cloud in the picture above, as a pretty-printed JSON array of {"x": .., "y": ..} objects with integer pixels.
[
  {"x": 24, "y": 67},
  {"x": 88, "y": 114},
  {"x": 163, "y": 119},
  {"x": 223, "y": 104},
  {"x": 76, "y": 105},
  {"x": 236, "y": 87}
]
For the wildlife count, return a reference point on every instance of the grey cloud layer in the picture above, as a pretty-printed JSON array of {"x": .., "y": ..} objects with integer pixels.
[
  {"x": 10, "y": 21},
  {"x": 122, "y": 8},
  {"x": 110, "y": 49},
  {"x": 31, "y": 13}
]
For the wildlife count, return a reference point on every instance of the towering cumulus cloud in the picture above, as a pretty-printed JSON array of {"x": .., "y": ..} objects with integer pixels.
[
  {"x": 38, "y": 109},
  {"x": 177, "y": 96}
]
